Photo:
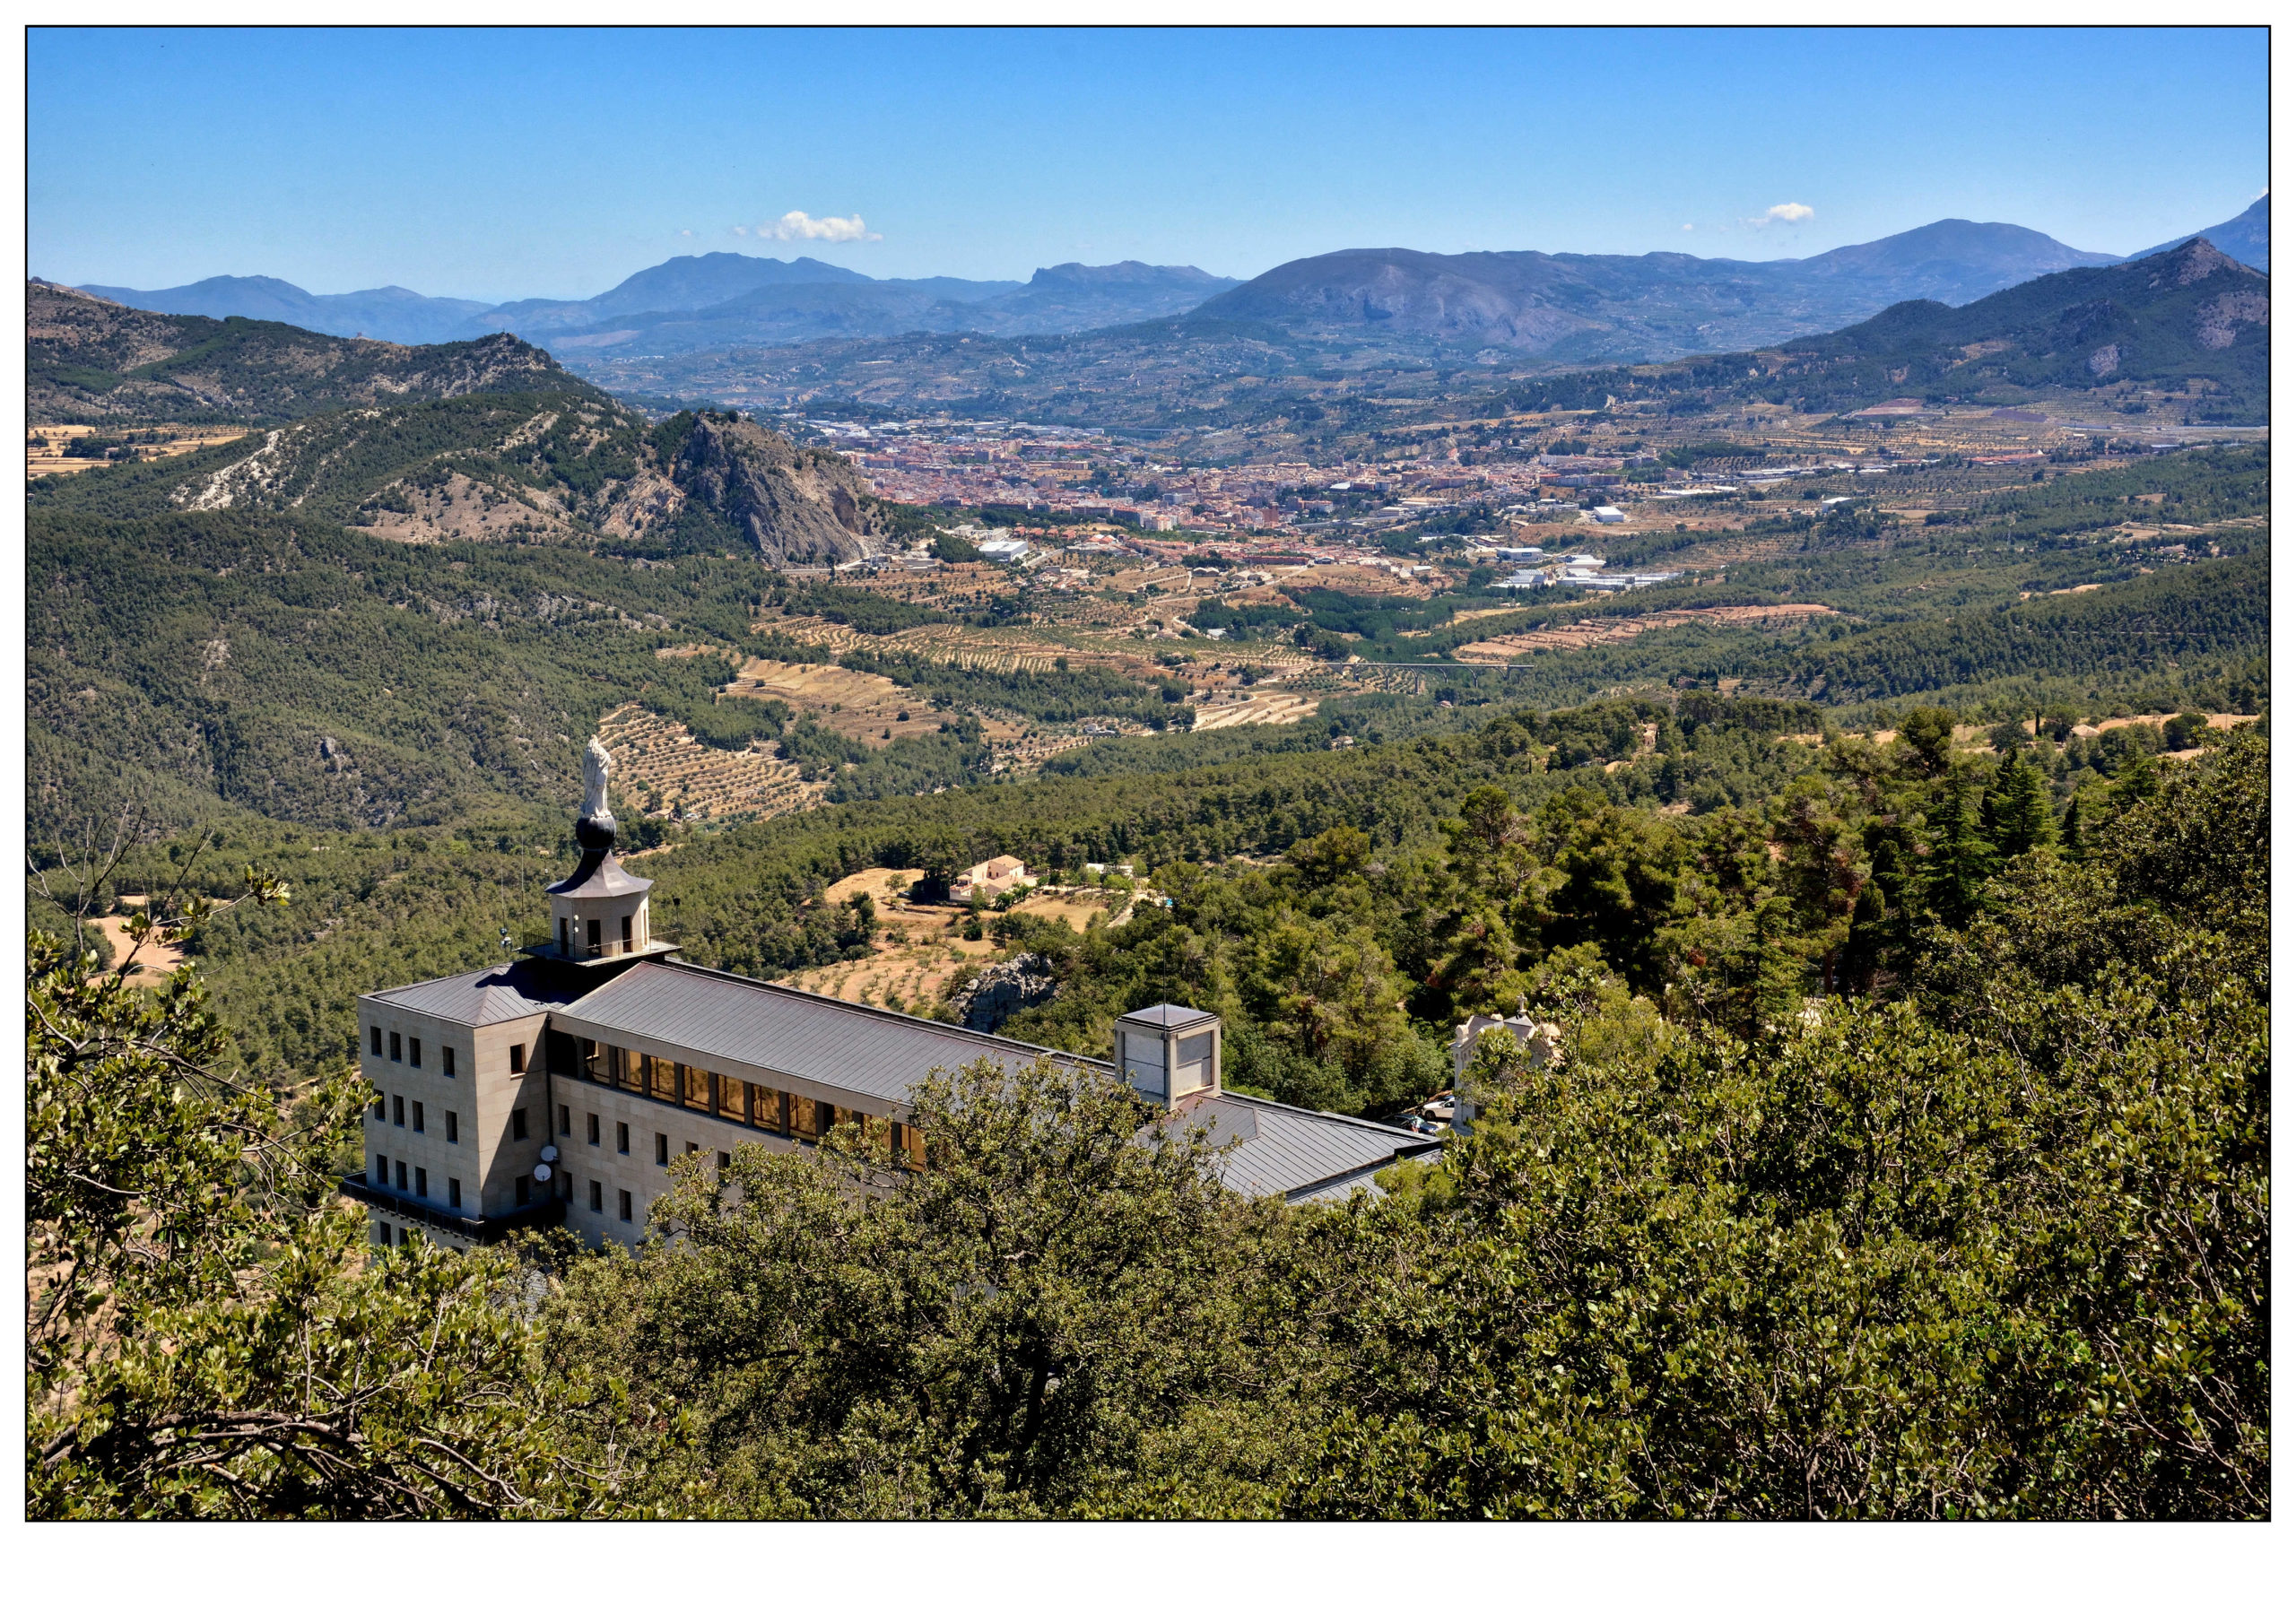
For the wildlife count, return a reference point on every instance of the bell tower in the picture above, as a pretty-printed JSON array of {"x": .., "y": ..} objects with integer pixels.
[{"x": 600, "y": 912}]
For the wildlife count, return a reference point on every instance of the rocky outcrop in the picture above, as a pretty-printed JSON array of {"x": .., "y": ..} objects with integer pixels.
[
  {"x": 1002, "y": 991},
  {"x": 798, "y": 507}
]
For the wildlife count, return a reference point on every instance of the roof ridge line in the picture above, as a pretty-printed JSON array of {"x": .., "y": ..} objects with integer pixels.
[
  {"x": 897, "y": 1017},
  {"x": 1376, "y": 1125}
]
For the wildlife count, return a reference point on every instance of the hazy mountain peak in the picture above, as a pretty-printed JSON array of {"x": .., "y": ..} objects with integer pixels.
[{"x": 2246, "y": 238}]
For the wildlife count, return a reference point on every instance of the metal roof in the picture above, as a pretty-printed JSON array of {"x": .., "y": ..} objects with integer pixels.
[
  {"x": 1169, "y": 1014},
  {"x": 483, "y": 997},
  {"x": 1298, "y": 1151},
  {"x": 687, "y": 1009},
  {"x": 1264, "y": 1147},
  {"x": 599, "y": 876}
]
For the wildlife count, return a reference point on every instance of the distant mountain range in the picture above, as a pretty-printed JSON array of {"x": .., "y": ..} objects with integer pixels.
[
  {"x": 2189, "y": 321},
  {"x": 1575, "y": 308},
  {"x": 700, "y": 302},
  {"x": 1516, "y": 310}
]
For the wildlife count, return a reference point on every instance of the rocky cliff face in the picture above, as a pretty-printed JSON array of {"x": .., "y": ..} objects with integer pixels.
[
  {"x": 798, "y": 507},
  {"x": 1002, "y": 991}
]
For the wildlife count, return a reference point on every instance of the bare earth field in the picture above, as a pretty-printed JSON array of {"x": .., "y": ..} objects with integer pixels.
[{"x": 1594, "y": 633}]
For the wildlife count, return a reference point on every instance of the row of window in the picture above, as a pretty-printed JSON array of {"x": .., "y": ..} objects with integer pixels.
[
  {"x": 409, "y": 1051},
  {"x": 399, "y": 1105},
  {"x": 422, "y": 1187},
  {"x": 729, "y": 1098}
]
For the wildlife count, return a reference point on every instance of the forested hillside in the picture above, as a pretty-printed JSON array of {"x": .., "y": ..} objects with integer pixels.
[
  {"x": 90, "y": 360},
  {"x": 1984, "y": 1234},
  {"x": 2193, "y": 321}
]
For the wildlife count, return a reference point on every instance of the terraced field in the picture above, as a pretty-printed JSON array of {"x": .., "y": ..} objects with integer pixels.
[
  {"x": 1254, "y": 709},
  {"x": 857, "y": 704},
  {"x": 1595, "y": 632},
  {"x": 658, "y": 763}
]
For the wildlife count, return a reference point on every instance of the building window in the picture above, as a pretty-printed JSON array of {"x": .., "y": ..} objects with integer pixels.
[
  {"x": 382, "y": 1171},
  {"x": 517, "y": 1126},
  {"x": 725, "y": 1159},
  {"x": 525, "y": 1190},
  {"x": 381, "y": 1109},
  {"x": 692, "y": 1147},
  {"x": 696, "y": 1089},
  {"x": 454, "y": 1192},
  {"x": 446, "y": 1061},
  {"x": 398, "y": 1109},
  {"x": 415, "y": 1052},
  {"x": 563, "y": 947},
  {"x": 624, "y": 1197},
  {"x": 402, "y": 1236},
  {"x": 565, "y": 1121},
  {"x": 454, "y": 1127},
  {"x": 626, "y": 947},
  {"x": 662, "y": 1078},
  {"x": 621, "y": 1136},
  {"x": 805, "y": 1116},
  {"x": 733, "y": 1098},
  {"x": 422, "y": 1182},
  {"x": 383, "y": 1232},
  {"x": 400, "y": 1166},
  {"x": 375, "y": 1041},
  {"x": 597, "y": 1197},
  {"x": 589, "y": 1051},
  {"x": 622, "y": 1071},
  {"x": 661, "y": 1148},
  {"x": 418, "y": 1117},
  {"x": 770, "y": 1110},
  {"x": 395, "y": 1055},
  {"x": 517, "y": 1059},
  {"x": 592, "y": 1127},
  {"x": 594, "y": 948}
]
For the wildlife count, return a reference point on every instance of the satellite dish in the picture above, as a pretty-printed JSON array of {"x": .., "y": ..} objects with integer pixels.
[
  {"x": 543, "y": 1172},
  {"x": 549, "y": 1153}
]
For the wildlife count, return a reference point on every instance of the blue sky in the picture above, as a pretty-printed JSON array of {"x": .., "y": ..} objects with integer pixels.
[{"x": 499, "y": 164}]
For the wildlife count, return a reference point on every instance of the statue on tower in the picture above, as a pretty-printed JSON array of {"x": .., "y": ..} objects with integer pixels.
[{"x": 595, "y": 828}]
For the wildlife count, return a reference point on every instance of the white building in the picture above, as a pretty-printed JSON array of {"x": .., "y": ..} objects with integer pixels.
[
  {"x": 990, "y": 878},
  {"x": 563, "y": 1088},
  {"x": 1004, "y": 550}
]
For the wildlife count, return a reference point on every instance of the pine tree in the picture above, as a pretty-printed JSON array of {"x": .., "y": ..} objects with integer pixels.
[
  {"x": 1953, "y": 878},
  {"x": 2016, "y": 808},
  {"x": 2069, "y": 840}
]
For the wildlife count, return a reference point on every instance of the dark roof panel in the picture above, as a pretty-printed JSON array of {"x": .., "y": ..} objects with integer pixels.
[{"x": 483, "y": 997}]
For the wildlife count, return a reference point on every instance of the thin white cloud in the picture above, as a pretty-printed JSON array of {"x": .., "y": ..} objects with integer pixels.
[
  {"x": 1791, "y": 213},
  {"x": 1690, "y": 227},
  {"x": 740, "y": 231},
  {"x": 819, "y": 229}
]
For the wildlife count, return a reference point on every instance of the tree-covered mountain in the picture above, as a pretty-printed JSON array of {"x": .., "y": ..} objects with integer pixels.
[
  {"x": 519, "y": 467},
  {"x": 1569, "y": 308},
  {"x": 2192, "y": 322},
  {"x": 90, "y": 360}
]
